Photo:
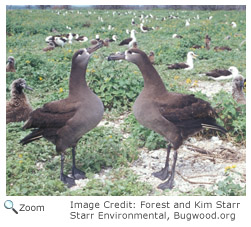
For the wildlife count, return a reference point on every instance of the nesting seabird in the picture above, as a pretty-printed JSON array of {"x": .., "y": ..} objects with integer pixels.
[
  {"x": 10, "y": 66},
  {"x": 133, "y": 22},
  {"x": 188, "y": 65},
  {"x": 221, "y": 48},
  {"x": 223, "y": 74},
  {"x": 129, "y": 41},
  {"x": 177, "y": 36},
  {"x": 144, "y": 28},
  {"x": 113, "y": 39},
  {"x": 234, "y": 25},
  {"x": 51, "y": 46},
  {"x": 60, "y": 41},
  {"x": 81, "y": 39}
]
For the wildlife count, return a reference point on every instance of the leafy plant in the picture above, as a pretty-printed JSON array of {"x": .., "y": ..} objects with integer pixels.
[
  {"x": 231, "y": 114},
  {"x": 228, "y": 187}
]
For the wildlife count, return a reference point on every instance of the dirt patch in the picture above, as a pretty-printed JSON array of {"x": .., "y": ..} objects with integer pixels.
[
  {"x": 210, "y": 88},
  {"x": 200, "y": 163}
]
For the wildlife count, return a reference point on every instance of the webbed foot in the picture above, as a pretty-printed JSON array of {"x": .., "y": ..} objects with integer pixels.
[
  {"x": 67, "y": 180},
  {"x": 78, "y": 174},
  {"x": 162, "y": 174}
]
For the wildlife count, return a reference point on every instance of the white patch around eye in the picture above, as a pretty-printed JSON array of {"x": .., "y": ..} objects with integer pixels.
[{"x": 86, "y": 52}]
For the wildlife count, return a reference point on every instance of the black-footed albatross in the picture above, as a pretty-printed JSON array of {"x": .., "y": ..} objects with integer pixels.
[
  {"x": 173, "y": 115},
  {"x": 65, "y": 121}
]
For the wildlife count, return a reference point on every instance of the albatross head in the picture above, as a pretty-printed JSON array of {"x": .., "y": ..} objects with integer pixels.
[
  {"x": 133, "y": 55},
  {"x": 81, "y": 57},
  {"x": 18, "y": 86},
  {"x": 191, "y": 55},
  {"x": 233, "y": 70},
  {"x": 11, "y": 60},
  {"x": 238, "y": 82}
]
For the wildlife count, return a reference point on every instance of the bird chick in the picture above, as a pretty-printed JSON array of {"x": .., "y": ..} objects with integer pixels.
[
  {"x": 18, "y": 108},
  {"x": 10, "y": 67},
  {"x": 237, "y": 89}
]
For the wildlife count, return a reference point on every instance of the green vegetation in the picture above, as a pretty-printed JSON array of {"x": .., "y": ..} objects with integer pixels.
[{"x": 34, "y": 169}]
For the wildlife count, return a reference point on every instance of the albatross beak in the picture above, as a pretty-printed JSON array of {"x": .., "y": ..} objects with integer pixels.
[
  {"x": 95, "y": 47},
  {"x": 117, "y": 56},
  {"x": 10, "y": 61},
  {"x": 24, "y": 85},
  {"x": 195, "y": 55}
]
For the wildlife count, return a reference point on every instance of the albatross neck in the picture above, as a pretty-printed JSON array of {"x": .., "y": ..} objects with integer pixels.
[
  {"x": 133, "y": 35},
  {"x": 152, "y": 79},
  {"x": 190, "y": 61},
  {"x": 77, "y": 81}
]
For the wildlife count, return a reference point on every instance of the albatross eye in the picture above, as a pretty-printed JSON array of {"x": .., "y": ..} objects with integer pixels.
[{"x": 81, "y": 52}]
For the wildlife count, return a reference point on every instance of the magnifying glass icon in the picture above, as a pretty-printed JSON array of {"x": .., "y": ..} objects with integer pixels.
[{"x": 8, "y": 204}]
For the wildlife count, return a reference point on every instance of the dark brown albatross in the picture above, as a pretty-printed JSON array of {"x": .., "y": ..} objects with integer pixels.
[
  {"x": 65, "y": 121},
  {"x": 173, "y": 115}
]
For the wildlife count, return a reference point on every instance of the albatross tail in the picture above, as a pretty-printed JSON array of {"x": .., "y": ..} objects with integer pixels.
[
  {"x": 214, "y": 127},
  {"x": 35, "y": 135}
]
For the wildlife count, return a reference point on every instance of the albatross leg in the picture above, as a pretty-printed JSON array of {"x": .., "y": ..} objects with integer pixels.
[
  {"x": 169, "y": 183},
  {"x": 67, "y": 180},
  {"x": 76, "y": 173},
  {"x": 164, "y": 173}
]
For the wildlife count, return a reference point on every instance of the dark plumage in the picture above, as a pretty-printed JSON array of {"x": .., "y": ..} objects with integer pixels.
[
  {"x": 134, "y": 45},
  {"x": 218, "y": 72},
  {"x": 18, "y": 108},
  {"x": 187, "y": 66},
  {"x": 144, "y": 28},
  {"x": 218, "y": 48},
  {"x": 60, "y": 41},
  {"x": 181, "y": 65},
  {"x": 10, "y": 67},
  {"x": 95, "y": 41},
  {"x": 113, "y": 39},
  {"x": 51, "y": 38},
  {"x": 177, "y": 36},
  {"x": 50, "y": 47},
  {"x": 125, "y": 42},
  {"x": 207, "y": 42},
  {"x": 129, "y": 41},
  {"x": 222, "y": 74},
  {"x": 105, "y": 42},
  {"x": 65, "y": 121},
  {"x": 82, "y": 38},
  {"x": 173, "y": 115},
  {"x": 196, "y": 46}
]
